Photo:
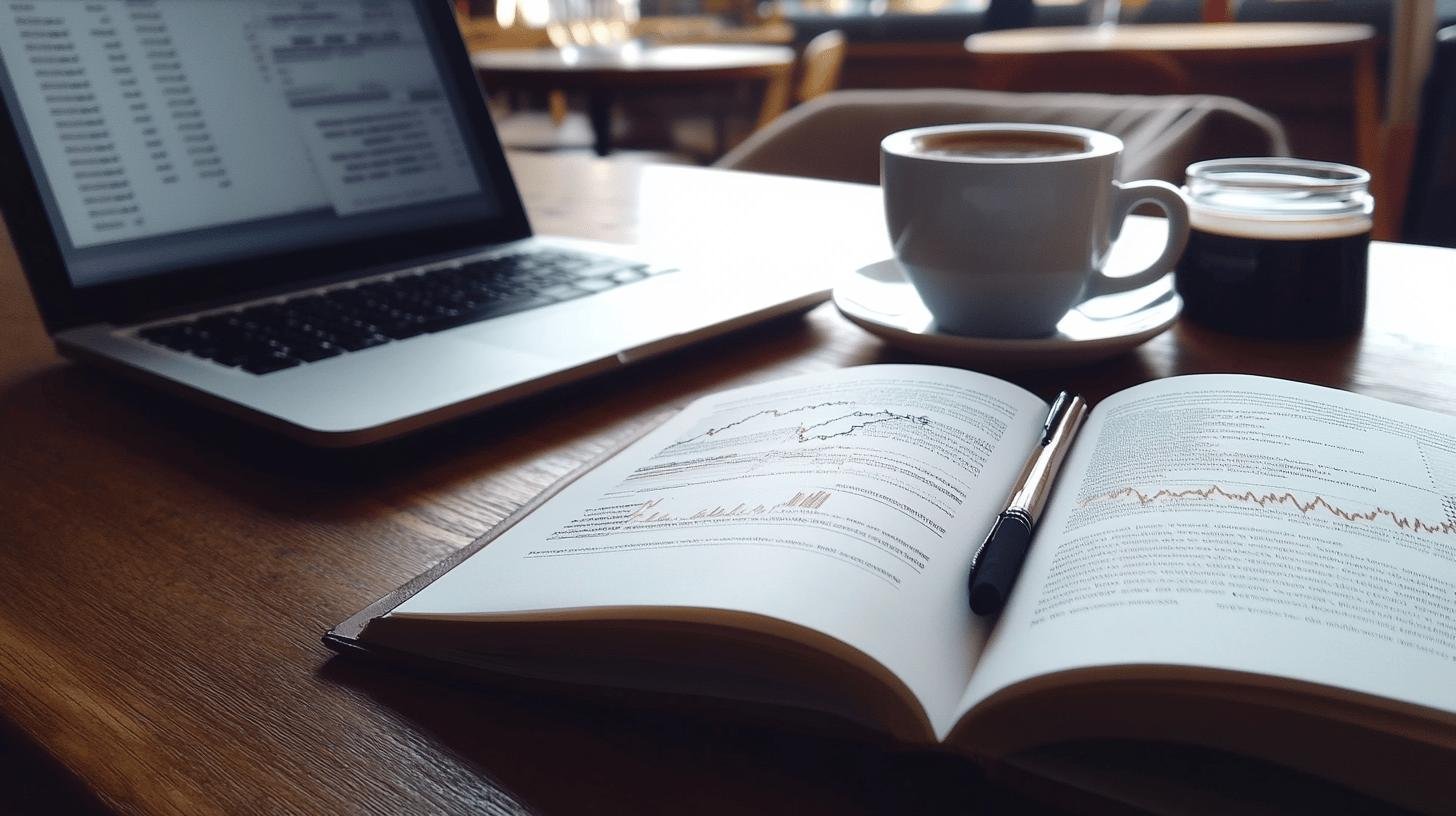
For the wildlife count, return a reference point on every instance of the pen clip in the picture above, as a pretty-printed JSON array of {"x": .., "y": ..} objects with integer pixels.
[{"x": 1054, "y": 417}]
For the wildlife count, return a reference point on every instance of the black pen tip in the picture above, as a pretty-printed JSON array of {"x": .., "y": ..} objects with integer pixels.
[{"x": 986, "y": 599}]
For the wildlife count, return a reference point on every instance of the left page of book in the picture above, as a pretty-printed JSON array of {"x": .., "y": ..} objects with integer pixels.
[{"x": 848, "y": 503}]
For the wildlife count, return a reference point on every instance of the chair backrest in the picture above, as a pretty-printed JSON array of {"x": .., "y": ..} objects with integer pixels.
[
  {"x": 820, "y": 65},
  {"x": 1113, "y": 72},
  {"x": 837, "y": 136}
]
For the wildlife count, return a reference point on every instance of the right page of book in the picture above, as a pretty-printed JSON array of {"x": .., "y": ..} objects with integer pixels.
[{"x": 1247, "y": 524}]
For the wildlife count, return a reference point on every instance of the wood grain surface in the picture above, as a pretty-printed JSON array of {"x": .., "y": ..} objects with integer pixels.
[{"x": 166, "y": 573}]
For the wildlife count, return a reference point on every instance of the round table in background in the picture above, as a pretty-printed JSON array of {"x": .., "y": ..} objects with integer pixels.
[
  {"x": 601, "y": 74},
  {"x": 1178, "y": 37}
]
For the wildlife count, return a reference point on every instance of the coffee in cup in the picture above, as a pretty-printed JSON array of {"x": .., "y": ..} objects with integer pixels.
[
  {"x": 1000, "y": 145},
  {"x": 1003, "y": 228},
  {"x": 1278, "y": 247}
]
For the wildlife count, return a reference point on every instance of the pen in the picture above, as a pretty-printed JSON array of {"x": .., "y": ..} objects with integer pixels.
[{"x": 998, "y": 560}]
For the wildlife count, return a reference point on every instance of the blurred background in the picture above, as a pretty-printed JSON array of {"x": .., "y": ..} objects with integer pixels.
[{"x": 1365, "y": 82}]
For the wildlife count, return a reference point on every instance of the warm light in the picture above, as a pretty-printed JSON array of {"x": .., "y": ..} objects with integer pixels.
[
  {"x": 534, "y": 13},
  {"x": 600, "y": 32},
  {"x": 505, "y": 12}
]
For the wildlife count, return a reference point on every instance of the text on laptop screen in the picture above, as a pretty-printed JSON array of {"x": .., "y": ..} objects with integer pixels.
[{"x": 175, "y": 133}]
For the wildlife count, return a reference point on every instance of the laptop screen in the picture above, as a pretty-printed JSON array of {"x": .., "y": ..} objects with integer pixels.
[{"x": 166, "y": 134}]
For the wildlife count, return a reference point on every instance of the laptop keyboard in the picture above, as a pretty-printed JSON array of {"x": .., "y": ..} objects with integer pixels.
[{"x": 282, "y": 334}]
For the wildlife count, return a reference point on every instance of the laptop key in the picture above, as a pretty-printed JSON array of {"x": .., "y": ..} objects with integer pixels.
[
  {"x": 168, "y": 336},
  {"x": 401, "y": 331},
  {"x": 496, "y": 308},
  {"x": 361, "y": 341},
  {"x": 270, "y": 363},
  {"x": 281, "y": 334},
  {"x": 314, "y": 353}
]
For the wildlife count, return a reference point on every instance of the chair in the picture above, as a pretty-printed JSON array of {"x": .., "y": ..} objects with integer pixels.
[
  {"x": 837, "y": 136},
  {"x": 685, "y": 129},
  {"x": 820, "y": 65},
  {"x": 519, "y": 128}
]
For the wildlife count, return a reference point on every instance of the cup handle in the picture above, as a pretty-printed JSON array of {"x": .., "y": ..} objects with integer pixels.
[{"x": 1127, "y": 196}]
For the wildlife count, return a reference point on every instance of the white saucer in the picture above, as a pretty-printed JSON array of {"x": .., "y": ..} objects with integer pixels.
[{"x": 879, "y": 299}]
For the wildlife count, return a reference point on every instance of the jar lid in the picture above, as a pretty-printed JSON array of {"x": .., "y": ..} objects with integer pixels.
[{"x": 1280, "y": 187}]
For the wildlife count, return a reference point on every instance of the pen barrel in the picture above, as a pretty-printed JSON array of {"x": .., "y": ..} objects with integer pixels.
[
  {"x": 999, "y": 562},
  {"x": 1035, "y": 482}
]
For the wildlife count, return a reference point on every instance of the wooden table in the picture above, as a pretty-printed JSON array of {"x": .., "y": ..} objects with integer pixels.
[
  {"x": 670, "y": 29},
  {"x": 604, "y": 74},
  {"x": 165, "y": 574},
  {"x": 1228, "y": 58}
]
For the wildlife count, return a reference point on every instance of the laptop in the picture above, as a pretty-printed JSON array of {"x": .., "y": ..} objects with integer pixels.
[{"x": 299, "y": 211}]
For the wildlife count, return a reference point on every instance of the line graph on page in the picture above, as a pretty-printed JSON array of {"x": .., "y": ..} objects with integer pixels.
[
  {"x": 1279, "y": 500},
  {"x": 818, "y": 421}
]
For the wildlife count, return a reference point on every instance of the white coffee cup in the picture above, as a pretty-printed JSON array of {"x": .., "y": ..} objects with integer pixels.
[{"x": 1003, "y": 228}]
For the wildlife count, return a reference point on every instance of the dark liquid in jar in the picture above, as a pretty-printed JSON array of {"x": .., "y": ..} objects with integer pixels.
[{"x": 1275, "y": 287}]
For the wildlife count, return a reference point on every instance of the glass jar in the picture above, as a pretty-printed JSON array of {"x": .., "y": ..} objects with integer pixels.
[{"x": 1278, "y": 247}]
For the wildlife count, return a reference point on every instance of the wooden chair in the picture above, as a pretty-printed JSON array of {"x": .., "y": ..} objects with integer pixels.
[
  {"x": 680, "y": 125},
  {"x": 820, "y": 65}
]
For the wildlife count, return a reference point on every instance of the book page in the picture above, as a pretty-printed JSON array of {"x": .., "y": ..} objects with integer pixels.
[
  {"x": 1246, "y": 524},
  {"x": 848, "y": 502}
]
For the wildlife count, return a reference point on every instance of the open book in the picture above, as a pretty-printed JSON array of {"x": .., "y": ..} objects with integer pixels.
[{"x": 1242, "y": 563}]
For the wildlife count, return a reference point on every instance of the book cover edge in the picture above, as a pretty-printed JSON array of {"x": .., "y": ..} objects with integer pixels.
[{"x": 344, "y": 636}]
